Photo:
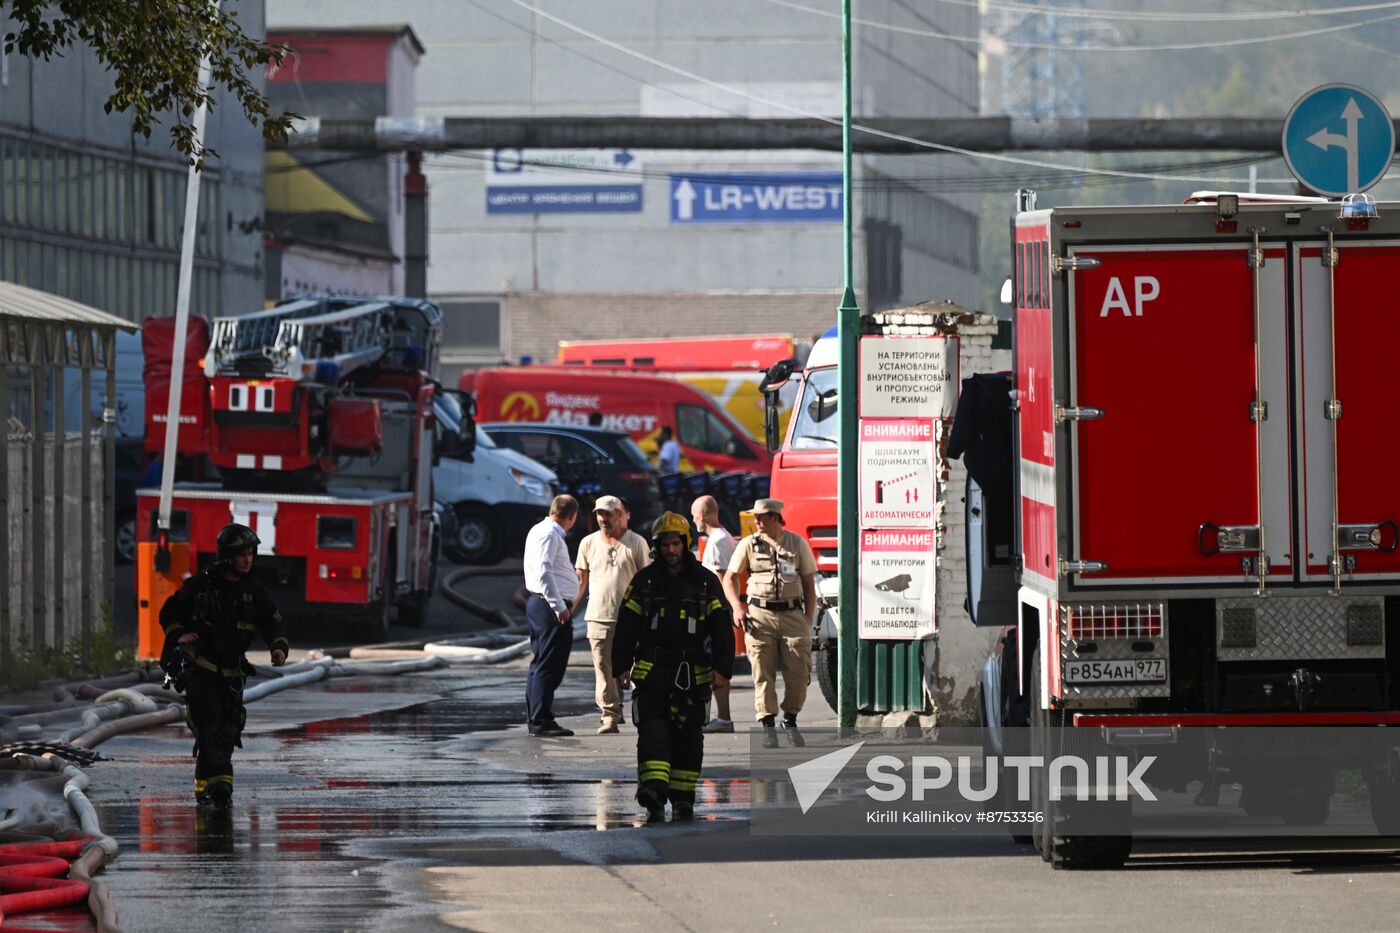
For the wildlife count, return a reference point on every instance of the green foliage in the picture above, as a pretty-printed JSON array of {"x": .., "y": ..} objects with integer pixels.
[
  {"x": 153, "y": 48},
  {"x": 106, "y": 653}
]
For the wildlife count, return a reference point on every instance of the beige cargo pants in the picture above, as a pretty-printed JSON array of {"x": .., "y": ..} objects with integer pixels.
[
  {"x": 779, "y": 642},
  {"x": 605, "y": 691}
]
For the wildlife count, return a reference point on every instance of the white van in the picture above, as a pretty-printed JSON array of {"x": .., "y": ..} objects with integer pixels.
[{"x": 495, "y": 498}]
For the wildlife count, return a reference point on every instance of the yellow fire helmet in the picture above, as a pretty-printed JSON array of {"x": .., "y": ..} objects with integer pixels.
[{"x": 669, "y": 523}]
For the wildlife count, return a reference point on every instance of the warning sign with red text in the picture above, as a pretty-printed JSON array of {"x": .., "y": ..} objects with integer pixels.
[
  {"x": 896, "y": 583},
  {"x": 896, "y": 473}
]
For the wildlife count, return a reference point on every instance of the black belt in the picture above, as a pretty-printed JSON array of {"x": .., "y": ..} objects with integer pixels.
[
  {"x": 567, "y": 599},
  {"x": 775, "y": 605}
]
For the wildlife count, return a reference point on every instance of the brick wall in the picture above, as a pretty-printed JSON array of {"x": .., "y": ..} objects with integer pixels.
[
  {"x": 536, "y": 322},
  {"x": 953, "y": 658}
]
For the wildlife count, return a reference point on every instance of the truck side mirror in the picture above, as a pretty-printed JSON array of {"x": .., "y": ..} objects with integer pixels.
[
  {"x": 774, "y": 379},
  {"x": 468, "y": 438}
]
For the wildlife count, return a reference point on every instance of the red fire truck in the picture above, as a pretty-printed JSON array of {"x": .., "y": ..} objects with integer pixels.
[
  {"x": 319, "y": 436},
  {"x": 1202, "y": 502}
]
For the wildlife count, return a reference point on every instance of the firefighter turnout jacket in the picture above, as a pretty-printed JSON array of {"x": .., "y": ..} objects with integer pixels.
[
  {"x": 226, "y": 615},
  {"x": 673, "y": 630}
]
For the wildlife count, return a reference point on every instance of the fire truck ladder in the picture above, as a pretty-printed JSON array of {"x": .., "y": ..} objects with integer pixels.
[{"x": 298, "y": 339}]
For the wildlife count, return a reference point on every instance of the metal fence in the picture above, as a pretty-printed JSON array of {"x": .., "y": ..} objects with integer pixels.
[{"x": 57, "y": 479}]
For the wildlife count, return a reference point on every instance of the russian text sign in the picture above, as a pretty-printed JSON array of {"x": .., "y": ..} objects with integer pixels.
[
  {"x": 896, "y": 583},
  {"x": 896, "y": 473},
  {"x": 908, "y": 377}
]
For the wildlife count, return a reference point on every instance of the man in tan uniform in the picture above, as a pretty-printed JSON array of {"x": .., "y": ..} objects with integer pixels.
[
  {"x": 607, "y": 561},
  {"x": 777, "y": 616}
]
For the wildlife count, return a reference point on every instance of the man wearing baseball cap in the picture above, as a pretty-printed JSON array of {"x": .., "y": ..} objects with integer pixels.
[
  {"x": 607, "y": 561},
  {"x": 777, "y": 616}
]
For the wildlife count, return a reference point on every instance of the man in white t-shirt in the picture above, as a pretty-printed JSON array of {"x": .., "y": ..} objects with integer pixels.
[
  {"x": 719, "y": 547},
  {"x": 668, "y": 454},
  {"x": 607, "y": 560}
]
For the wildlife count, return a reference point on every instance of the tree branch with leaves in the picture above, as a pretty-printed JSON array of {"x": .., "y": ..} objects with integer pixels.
[{"x": 153, "y": 49}]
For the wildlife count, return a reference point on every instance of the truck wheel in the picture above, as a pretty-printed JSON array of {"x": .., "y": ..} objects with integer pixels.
[
  {"x": 1383, "y": 785},
  {"x": 826, "y": 673},
  {"x": 478, "y": 538},
  {"x": 1055, "y": 839},
  {"x": 125, "y": 534},
  {"x": 374, "y": 624},
  {"x": 1040, "y": 799},
  {"x": 413, "y": 612}
]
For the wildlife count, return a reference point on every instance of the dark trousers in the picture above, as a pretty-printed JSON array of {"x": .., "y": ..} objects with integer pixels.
[
  {"x": 551, "y": 643},
  {"x": 670, "y": 745},
  {"x": 215, "y": 714}
]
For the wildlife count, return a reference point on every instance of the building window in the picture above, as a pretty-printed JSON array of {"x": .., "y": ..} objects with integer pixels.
[{"x": 471, "y": 328}]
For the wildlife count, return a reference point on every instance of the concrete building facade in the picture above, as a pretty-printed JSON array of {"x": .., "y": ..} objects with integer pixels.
[
  {"x": 93, "y": 212},
  {"x": 665, "y": 242}
]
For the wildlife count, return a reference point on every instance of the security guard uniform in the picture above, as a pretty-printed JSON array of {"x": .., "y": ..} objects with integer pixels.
[
  {"x": 225, "y": 614},
  {"x": 673, "y": 633},
  {"x": 779, "y": 634}
]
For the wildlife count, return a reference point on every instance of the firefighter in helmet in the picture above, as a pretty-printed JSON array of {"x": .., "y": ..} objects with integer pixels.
[
  {"x": 209, "y": 623},
  {"x": 673, "y": 643}
]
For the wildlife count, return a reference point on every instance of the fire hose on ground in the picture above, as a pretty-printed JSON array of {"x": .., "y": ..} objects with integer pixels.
[{"x": 30, "y": 871}]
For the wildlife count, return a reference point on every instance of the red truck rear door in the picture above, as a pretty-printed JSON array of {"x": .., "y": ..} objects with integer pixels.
[{"x": 1163, "y": 343}]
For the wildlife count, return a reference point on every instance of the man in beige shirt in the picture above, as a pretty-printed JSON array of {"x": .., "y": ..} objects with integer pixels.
[
  {"x": 776, "y": 615},
  {"x": 607, "y": 560}
]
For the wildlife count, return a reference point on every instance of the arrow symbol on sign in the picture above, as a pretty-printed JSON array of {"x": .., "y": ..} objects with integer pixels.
[
  {"x": 1325, "y": 140},
  {"x": 685, "y": 199},
  {"x": 623, "y": 158}
]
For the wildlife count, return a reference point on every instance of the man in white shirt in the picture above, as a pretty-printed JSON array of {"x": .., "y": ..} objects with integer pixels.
[
  {"x": 719, "y": 547},
  {"x": 553, "y": 589},
  {"x": 668, "y": 455},
  {"x": 607, "y": 560}
]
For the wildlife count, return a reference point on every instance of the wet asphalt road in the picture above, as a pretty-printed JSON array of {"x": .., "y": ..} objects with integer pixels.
[{"x": 415, "y": 802}]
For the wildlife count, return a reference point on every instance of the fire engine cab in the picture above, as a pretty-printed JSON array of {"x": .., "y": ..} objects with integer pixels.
[
  {"x": 312, "y": 422},
  {"x": 1200, "y": 495}
]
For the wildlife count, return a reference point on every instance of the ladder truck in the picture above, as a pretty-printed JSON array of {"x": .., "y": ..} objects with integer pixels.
[{"x": 322, "y": 438}]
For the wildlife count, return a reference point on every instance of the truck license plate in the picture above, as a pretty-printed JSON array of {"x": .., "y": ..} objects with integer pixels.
[{"x": 1136, "y": 670}]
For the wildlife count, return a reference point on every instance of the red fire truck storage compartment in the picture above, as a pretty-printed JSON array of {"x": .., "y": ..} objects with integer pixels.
[
  {"x": 1166, "y": 465},
  {"x": 1367, "y": 331},
  {"x": 157, "y": 348},
  {"x": 356, "y": 426}
]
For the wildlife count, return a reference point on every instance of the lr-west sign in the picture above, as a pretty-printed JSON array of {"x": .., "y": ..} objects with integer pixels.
[
  {"x": 908, "y": 377},
  {"x": 768, "y": 197}
]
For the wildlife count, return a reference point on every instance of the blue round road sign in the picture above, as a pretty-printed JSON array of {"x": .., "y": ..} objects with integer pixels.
[{"x": 1338, "y": 140}]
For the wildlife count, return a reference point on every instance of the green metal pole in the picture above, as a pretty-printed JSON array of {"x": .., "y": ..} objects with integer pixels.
[{"x": 847, "y": 490}]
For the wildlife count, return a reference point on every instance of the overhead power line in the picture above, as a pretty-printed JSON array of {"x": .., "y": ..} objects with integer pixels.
[
  {"x": 1169, "y": 16},
  {"x": 861, "y": 128},
  {"x": 1063, "y": 47}
]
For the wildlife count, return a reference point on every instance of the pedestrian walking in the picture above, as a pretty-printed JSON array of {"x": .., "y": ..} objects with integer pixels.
[
  {"x": 719, "y": 548},
  {"x": 777, "y": 615},
  {"x": 668, "y": 452},
  {"x": 209, "y": 624},
  {"x": 667, "y": 632},
  {"x": 553, "y": 589},
  {"x": 607, "y": 561}
]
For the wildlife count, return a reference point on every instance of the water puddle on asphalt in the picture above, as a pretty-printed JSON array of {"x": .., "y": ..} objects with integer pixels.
[{"x": 326, "y": 813}]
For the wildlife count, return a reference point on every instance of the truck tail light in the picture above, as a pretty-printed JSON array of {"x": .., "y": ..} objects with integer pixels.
[
  {"x": 1097, "y": 621},
  {"x": 634, "y": 477},
  {"x": 341, "y": 573}
]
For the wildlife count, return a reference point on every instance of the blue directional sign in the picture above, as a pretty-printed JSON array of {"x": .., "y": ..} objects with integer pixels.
[
  {"x": 746, "y": 198},
  {"x": 1338, "y": 140},
  {"x": 568, "y": 181}
]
